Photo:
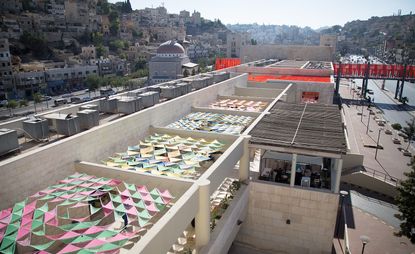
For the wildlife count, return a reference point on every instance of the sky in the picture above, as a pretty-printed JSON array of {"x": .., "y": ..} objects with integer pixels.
[{"x": 312, "y": 13}]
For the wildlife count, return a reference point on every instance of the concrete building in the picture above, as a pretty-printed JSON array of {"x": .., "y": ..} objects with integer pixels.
[
  {"x": 6, "y": 70},
  {"x": 169, "y": 62},
  {"x": 11, "y": 6},
  {"x": 234, "y": 43},
  {"x": 251, "y": 53},
  {"x": 328, "y": 40},
  {"x": 29, "y": 83},
  {"x": 196, "y": 18}
]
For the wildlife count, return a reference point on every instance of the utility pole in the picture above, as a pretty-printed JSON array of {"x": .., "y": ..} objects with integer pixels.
[{"x": 403, "y": 81}]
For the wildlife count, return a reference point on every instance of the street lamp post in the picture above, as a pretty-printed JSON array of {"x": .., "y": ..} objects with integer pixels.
[
  {"x": 377, "y": 143},
  {"x": 365, "y": 240},
  {"x": 368, "y": 121},
  {"x": 343, "y": 194}
]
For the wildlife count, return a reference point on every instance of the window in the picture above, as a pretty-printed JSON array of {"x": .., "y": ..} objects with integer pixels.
[
  {"x": 1, "y": 55},
  {"x": 3, "y": 64}
]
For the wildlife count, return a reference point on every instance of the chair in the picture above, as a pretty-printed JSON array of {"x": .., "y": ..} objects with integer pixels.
[{"x": 305, "y": 181}]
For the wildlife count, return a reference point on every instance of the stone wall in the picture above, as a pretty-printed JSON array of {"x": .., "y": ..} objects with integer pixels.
[
  {"x": 312, "y": 216},
  {"x": 251, "y": 53}
]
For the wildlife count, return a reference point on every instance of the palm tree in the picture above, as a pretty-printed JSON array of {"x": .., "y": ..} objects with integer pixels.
[
  {"x": 409, "y": 131},
  {"x": 11, "y": 104},
  {"x": 37, "y": 98}
]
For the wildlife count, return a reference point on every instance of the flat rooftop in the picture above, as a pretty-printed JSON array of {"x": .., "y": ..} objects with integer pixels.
[{"x": 311, "y": 127}]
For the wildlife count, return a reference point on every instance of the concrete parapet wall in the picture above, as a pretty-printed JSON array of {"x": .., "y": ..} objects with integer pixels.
[
  {"x": 352, "y": 160},
  {"x": 312, "y": 216},
  {"x": 367, "y": 181},
  {"x": 226, "y": 230},
  {"x": 257, "y": 92},
  {"x": 25, "y": 174}
]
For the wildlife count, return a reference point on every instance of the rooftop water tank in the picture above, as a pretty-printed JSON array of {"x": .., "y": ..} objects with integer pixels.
[
  {"x": 36, "y": 128},
  {"x": 8, "y": 141}
]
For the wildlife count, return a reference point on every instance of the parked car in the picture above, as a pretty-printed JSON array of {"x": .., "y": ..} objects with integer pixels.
[
  {"x": 85, "y": 99},
  {"x": 106, "y": 92},
  {"x": 46, "y": 98},
  {"x": 3, "y": 103},
  {"x": 76, "y": 100},
  {"x": 60, "y": 101}
]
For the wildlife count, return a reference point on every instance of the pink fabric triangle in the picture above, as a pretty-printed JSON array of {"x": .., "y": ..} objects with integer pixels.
[
  {"x": 94, "y": 243},
  {"x": 147, "y": 197},
  {"x": 142, "y": 189},
  {"x": 152, "y": 207},
  {"x": 93, "y": 230},
  {"x": 5, "y": 213},
  {"x": 22, "y": 233}
]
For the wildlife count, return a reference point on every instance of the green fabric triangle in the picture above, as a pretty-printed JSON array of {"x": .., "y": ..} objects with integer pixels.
[
  {"x": 8, "y": 245},
  {"x": 106, "y": 234},
  {"x": 84, "y": 251},
  {"x": 136, "y": 195},
  {"x": 160, "y": 206},
  {"x": 154, "y": 193},
  {"x": 43, "y": 208},
  {"x": 120, "y": 208},
  {"x": 43, "y": 246},
  {"x": 19, "y": 206},
  {"x": 140, "y": 204},
  {"x": 107, "y": 247},
  {"x": 11, "y": 229},
  {"x": 36, "y": 224},
  {"x": 145, "y": 214},
  {"x": 16, "y": 217},
  {"x": 142, "y": 222},
  {"x": 82, "y": 239}
]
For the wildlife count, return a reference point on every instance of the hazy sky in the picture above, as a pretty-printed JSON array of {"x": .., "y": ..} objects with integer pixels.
[{"x": 313, "y": 13}]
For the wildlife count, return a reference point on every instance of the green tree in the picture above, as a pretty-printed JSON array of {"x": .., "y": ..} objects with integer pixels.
[
  {"x": 409, "y": 131},
  {"x": 117, "y": 45},
  {"x": 37, "y": 98},
  {"x": 93, "y": 82},
  {"x": 97, "y": 38},
  {"x": 101, "y": 50},
  {"x": 406, "y": 205},
  {"x": 11, "y": 104}
]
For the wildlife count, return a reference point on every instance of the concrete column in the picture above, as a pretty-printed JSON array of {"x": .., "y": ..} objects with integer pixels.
[
  {"x": 293, "y": 168},
  {"x": 244, "y": 161},
  {"x": 202, "y": 226},
  {"x": 335, "y": 179}
]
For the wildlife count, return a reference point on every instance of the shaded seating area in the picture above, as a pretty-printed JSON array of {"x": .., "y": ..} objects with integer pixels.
[
  {"x": 309, "y": 171},
  {"x": 302, "y": 145}
]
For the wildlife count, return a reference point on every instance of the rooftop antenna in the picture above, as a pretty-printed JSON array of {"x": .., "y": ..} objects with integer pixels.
[{"x": 162, "y": 4}]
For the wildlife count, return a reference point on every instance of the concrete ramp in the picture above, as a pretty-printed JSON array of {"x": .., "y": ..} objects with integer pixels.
[{"x": 373, "y": 181}]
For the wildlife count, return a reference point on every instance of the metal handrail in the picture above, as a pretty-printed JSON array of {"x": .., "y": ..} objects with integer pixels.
[{"x": 381, "y": 176}]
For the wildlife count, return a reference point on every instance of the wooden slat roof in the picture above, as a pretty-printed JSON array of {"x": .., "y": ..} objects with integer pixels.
[{"x": 312, "y": 127}]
